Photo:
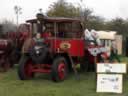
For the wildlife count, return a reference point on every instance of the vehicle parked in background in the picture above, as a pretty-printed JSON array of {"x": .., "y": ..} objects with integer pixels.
[{"x": 10, "y": 47}]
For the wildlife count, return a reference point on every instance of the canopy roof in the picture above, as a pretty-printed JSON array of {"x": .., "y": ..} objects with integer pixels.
[
  {"x": 107, "y": 34},
  {"x": 54, "y": 19}
]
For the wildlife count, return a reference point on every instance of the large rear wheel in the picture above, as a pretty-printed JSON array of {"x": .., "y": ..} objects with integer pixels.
[
  {"x": 25, "y": 68},
  {"x": 59, "y": 69}
]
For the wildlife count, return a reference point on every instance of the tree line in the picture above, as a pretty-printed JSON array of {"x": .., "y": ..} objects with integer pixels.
[{"x": 61, "y": 8}]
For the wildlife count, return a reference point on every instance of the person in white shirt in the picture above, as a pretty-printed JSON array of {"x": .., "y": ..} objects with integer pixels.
[
  {"x": 96, "y": 37},
  {"x": 88, "y": 35}
]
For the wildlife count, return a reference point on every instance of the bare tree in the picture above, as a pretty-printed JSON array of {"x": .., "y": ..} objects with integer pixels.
[{"x": 17, "y": 10}]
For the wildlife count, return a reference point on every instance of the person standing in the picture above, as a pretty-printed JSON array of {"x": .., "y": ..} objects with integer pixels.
[{"x": 113, "y": 53}]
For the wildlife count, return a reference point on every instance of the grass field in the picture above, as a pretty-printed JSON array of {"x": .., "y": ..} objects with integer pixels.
[{"x": 10, "y": 85}]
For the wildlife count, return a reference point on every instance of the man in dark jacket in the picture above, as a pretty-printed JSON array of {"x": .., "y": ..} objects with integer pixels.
[{"x": 113, "y": 53}]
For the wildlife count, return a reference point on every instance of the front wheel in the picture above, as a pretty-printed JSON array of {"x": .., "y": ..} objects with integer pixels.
[
  {"x": 25, "y": 68},
  {"x": 59, "y": 69}
]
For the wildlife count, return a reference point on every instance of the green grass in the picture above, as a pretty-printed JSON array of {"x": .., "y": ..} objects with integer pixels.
[
  {"x": 124, "y": 59},
  {"x": 41, "y": 85},
  {"x": 10, "y": 85}
]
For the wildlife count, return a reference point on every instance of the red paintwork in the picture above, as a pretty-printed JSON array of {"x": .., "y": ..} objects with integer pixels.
[
  {"x": 42, "y": 65},
  {"x": 20, "y": 36},
  {"x": 41, "y": 68},
  {"x": 46, "y": 35},
  {"x": 28, "y": 69},
  {"x": 61, "y": 71},
  {"x": 4, "y": 44},
  {"x": 76, "y": 49}
]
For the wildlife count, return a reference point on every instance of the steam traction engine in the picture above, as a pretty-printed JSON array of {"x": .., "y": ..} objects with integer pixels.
[
  {"x": 4, "y": 54},
  {"x": 10, "y": 47},
  {"x": 55, "y": 46}
]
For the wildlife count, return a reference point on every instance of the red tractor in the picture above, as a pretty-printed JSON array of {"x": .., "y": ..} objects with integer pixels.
[
  {"x": 5, "y": 52},
  {"x": 55, "y": 46},
  {"x": 10, "y": 47}
]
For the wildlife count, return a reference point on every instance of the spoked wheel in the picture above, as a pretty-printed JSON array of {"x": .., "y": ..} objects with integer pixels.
[
  {"x": 25, "y": 68},
  {"x": 59, "y": 69}
]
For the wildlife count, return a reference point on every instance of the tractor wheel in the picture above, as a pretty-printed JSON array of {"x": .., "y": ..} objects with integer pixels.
[
  {"x": 25, "y": 68},
  {"x": 14, "y": 57},
  {"x": 84, "y": 65},
  {"x": 59, "y": 69},
  {"x": 6, "y": 65}
]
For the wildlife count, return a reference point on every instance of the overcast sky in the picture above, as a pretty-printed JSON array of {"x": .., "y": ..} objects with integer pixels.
[{"x": 105, "y": 8}]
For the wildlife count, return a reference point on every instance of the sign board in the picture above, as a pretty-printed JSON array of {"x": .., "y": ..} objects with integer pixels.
[
  {"x": 109, "y": 83},
  {"x": 111, "y": 68}
]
